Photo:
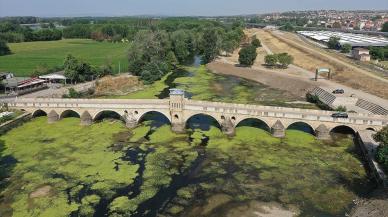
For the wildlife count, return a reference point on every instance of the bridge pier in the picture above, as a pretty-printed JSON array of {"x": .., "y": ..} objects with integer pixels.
[
  {"x": 278, "y": 130},
  {"x": 178, "y": 127},
  {"x": 52, "y": 117},
  {"x": 86, "y": 119},
  {"x": 130, "y": 120},
  {"x": 322, "y": 132},
  {"x": 227, "y": 127}
]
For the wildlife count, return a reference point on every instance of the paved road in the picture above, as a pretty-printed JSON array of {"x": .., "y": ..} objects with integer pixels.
[{"x": 58, "y": 92}]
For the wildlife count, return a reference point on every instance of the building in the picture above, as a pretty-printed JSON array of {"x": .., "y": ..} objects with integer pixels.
[
  {"x": 355, "y": 40},
  {"x": 56, "y": 77},
  {"x": 361, "y": 54},
  {"x": 20, "y": 85}
]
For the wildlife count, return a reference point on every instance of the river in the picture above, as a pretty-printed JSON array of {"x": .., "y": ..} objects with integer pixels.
[{"x": 106, "y": 169}]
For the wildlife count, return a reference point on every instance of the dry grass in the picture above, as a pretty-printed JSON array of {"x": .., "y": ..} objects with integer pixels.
[{"x": 117, "y": 85}]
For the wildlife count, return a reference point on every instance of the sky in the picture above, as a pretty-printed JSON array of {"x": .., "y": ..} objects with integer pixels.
[{"x": 46, "y": 8}]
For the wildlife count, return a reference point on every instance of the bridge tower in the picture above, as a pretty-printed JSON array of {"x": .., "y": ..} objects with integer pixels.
[{"x": 177, "y": 99}]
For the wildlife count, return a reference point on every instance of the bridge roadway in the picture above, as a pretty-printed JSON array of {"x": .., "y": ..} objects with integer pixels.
[{"x": 178, "y": 110}]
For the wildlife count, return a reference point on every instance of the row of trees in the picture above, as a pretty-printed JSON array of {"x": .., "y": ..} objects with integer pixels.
[
  {"x": 153, "y": 53},
  {"x": 278, "y": 60},
  {"x": 14, "y": 33}
]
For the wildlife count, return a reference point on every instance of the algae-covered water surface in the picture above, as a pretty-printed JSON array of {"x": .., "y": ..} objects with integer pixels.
[{"x": 64, "y": 169}]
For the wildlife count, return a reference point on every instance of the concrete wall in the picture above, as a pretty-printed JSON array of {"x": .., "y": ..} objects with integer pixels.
[{"x": 369, "y": 149}]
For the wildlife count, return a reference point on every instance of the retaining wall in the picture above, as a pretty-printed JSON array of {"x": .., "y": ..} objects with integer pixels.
[
  {"x": 14, "y": 123},
  {"x": 369, "y": 149}
]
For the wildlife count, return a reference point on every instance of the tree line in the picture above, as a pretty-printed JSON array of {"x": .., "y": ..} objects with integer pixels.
[
  {"x": 154, "y": 52},
  {"x": 14, "y": 33}
]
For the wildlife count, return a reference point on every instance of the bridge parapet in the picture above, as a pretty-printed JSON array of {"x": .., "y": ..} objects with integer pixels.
[{"x": 179, "y": 110}]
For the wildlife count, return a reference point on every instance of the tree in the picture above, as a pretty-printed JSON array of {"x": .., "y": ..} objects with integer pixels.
[
  {"x": 377, "y": 53},
  {"x": 384, "y": 28},
  {"x": 171, "y": 59},
  {"x": 382, "y": 136},
  {"x": 346, "y": 48},
  {"x": 182, "y": 45},
  {"x": 4, "y": 49},
  {"x": 288, "y": 27},
  {"x": 256, "y": 42},
  {"x": 285, "y": 59},
  {"x": 333, "y": 42},
  {"x": 70, "y": 66},
  {"x": 77, "y": 70},
  {"x": 210, "y": 44},
  {"x": 247, "y": 55},
  {"x": 271, "y": 59}
]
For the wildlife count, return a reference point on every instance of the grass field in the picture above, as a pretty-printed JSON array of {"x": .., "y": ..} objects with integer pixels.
[{"x": 27, "y": 56}]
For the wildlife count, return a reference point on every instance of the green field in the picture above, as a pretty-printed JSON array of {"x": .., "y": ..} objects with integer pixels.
[{"x": 27, "y": 56}]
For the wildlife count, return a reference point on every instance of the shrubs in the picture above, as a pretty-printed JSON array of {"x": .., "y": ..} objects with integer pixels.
[
  {"x": 247, "y": 55},
  {"x": 256, "y": 42},
  {"x": 333, "y": 43},
  {"x": 382, "y": 152},
  {"x": 283, "y": 60},
  {"x": 341, "y": 108},
  {"x": 4, "y": 49},
  {"x": 346, "y": 48}
]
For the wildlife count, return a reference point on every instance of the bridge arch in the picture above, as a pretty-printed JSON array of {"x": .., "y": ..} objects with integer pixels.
[
  {"x": 301, "y": 126},
  {"x": 70, "y": 113},
  {"x": 101, "y": 115},
  {"x": 39, "y": 113},
  {"x": 158, "y": 118},
  {"x": 254, "y": 122},
  {"x": 202, "y": 121},
  {"x": 343, "y": 129}
]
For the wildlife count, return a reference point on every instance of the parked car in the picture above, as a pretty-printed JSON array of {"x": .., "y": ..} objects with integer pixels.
[
  {"x": 338, "y": 91},
  {"x": 340, "y": 115}
]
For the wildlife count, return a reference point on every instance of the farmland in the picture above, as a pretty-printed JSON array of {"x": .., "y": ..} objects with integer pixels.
[{"x": 27, "y": 56}]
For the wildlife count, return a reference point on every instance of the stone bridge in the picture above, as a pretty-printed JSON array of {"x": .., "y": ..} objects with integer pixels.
[{"x": 178, "y": 110}]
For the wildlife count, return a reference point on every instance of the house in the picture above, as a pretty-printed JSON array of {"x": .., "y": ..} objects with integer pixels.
[
  {"x": 361, "y": 54},
  {"x": 21, "y": 85}
]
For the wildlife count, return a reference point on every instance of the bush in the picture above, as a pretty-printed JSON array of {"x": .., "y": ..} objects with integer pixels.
[
  {"x": 247, "y": 55},
  {"x": 285, "y": 59},
  {"x": 72, "y": 94},
  {"x": 256, "y": 42},
  {"x": 4, "y": 49},
  {"x": 271, "y": 60},
  {"x": 346, "y": 48},
  {"x": 333, "y": 43},
  {"x": 341, "y": 108}
]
